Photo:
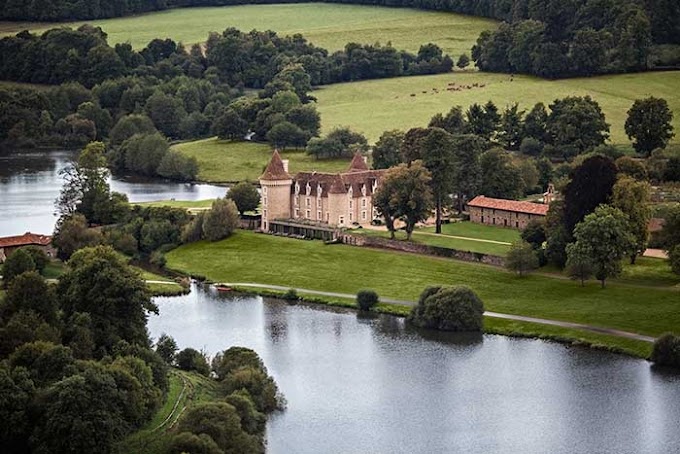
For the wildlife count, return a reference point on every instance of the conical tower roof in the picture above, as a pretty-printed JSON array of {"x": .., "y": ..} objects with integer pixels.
[
  {"x": 358, "y": 164},
  {"x": 275, "y": 169}
]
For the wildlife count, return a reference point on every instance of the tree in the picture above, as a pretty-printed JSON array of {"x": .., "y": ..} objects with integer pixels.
[
  {"x": 192, "y": 359},
  {"x": 483, "y": 120},
  {"x": 670, "y": 237},
  {"x": 511, "y": 129},
  {"x": 115, "y": 296},
  {"x": 534, "y": 233},
  {"x": 579, "y": 262},
  {"x": 177, "y": 166},
  {"x": 632, "y": 167},
  {"x": 467, "y": 178},
  {"x": 672, "y": 171},
  {"x": 16, "y": 264},
  {"x": 29, "y": 292},
  {"x": 591, "y": 185},
  {"x": 404, "y": 194},
  {"x": 130, "y": 125},
  {"x": 144, "y": 153},
  {"x": 606, "y": 234},
  {"x": 438, "y": 156},
  {"x": 221, "y": 220},
  {"x": 576, "y": 124},
  {"x": 386, "y": 151},
  {"x": 455, "y": 308},
  {"x": 229, "y": 125},
  {"x": 222, "y": 424},
  {"x": 674, "y": 258},
  {"x": 72, "y": 233},
  {"x": 187, "y": 442},
  {"x": 666, "y": 351},
  {"x": 536, "y": 123},
  {"x": 166, "y": 347},
  {"x": 245, "y": 196},
  {"x": 16, "y": 392},
  {"x": 285, "y": 134},
  {"x": 366, "y": 299},
  {"x": 500, "y": 177},
  {"x": 633, "y": 198},
  {"x": 166, "y": 112},
  {"x": 453, "y": 122},
  {"x": 228, "y": 361},
  {"x": 649, "y": 124},
  {"x": 463, "y": 61},
  {"x": 521, "y": 258}
]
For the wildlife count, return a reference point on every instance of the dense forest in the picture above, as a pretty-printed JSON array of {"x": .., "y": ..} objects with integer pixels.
[
  {"x": 549, "y": 38},
  {"x": 167, "y": 91}
]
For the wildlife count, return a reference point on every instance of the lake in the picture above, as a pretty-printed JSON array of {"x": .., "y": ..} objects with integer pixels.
[
  {"x": 30, "y": 183},
  {"x": 372, "y": 385}
]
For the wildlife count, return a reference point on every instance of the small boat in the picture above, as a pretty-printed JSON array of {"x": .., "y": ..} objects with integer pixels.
[{"x": 223, "y": 288}]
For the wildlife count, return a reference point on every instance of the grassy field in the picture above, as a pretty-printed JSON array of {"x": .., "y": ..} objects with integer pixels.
[
  {"x": 223, "y": 161},
  {"x": 188, "y": 204},
  {"x": 425, "y": 237},
  {"x": 330, "y": 26},
  {"x": 374, "y": 106},
  {"x": 246, "y": 257}
]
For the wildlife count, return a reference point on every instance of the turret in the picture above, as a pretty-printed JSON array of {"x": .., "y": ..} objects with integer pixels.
[{"x": 276, "y": 185}]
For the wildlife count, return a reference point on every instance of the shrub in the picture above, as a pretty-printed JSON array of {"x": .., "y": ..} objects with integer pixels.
[
  {"x": 674, "y": 258},
  {"x": 521, "y": 258},
  {"x": 666, "y": 351},
  {"x": 17, "y": 263},
  {"x": 252, "y": 421},
  {"x": 166, "y": 347},
  {"x": 260, "y": 386},
  {"x": 455, "y": 308},
  {"x": 290, "y": 295},
  {"x": 39, "y": 257},
  {"x": 231, "y": 359},
  {"x": 191, "y": 359},
  {"x": 187, "y": 442},
  {"x": 221, "y": 220},
  {"x": 366, "y": 299}
]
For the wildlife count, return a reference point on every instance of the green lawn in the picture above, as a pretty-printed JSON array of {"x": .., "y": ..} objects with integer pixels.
[
  {"x": 223, "y": 161},
  {"x": 442, "y": 241},
  {"x": 248, "y": 257},
  {"x": 481, "y": 231},
  {"x": 374, "y": 106},
  {"x": 330, "y": 26},
  {"x": 188, "y": 204}
]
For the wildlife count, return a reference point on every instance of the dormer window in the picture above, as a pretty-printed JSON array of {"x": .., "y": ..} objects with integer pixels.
[
  {"x": 319, "y": 190},
  {"x": 308, "y": 189},
  {"x": 375, "y": 186},
  {"x": 297, "y": 188},
  {"x": 350, "y": 192},
  {"x": 363, "y": 190}
]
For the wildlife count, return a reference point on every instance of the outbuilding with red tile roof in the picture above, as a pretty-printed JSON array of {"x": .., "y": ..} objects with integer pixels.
[{"x": 505, "y": 213}]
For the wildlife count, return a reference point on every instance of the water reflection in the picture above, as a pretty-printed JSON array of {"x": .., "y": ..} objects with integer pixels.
[
  {"x": 30, "y": 183},
  {"x": 370, "y": 384}
]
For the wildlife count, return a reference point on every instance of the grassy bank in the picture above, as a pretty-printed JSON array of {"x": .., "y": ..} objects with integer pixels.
[
  {"x": 492, "y": 325},
  {"x": 458, "y": 235},
  {"x": 377, "y": 105},
  {"x": 330, "y": 26},
  {"x": 247, "y": 257},
  {"x": 223, "y": 161},
  {"x": 186, "y": 390},
  {"x": 188, "y": 204}
]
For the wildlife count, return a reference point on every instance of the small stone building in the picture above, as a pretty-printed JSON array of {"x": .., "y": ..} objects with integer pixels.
[
  {"x": 330, "y": 199},
  {"x": 9, "y": 244},
  {"x": 505, "y": 213}
]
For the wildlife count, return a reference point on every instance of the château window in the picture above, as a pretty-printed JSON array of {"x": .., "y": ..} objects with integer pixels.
[
  {"x": 350, "y": 204},
  {"x": 309, "y": 214},
  {"x": 363, "y": 215},
  {"x": 318, "y": 203},
  {"x": 318, "y": 216},
  {"x": 363, "y": 203},
  {"x": 309, "y": 202},
  {"x": 341, "y": 220},
  {"x": 264, "y": 189},
  {"x": 264, "y": 200},
  {"x": 350, "y": 217}
]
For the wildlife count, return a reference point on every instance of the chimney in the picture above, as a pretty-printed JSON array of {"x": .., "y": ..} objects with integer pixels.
[
  {"x": 285, "y": 164},
  {"x": 365, "y": 159}
]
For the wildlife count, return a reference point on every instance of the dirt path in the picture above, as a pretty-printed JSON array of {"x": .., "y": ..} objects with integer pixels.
[{"x": 520, "y": 318}]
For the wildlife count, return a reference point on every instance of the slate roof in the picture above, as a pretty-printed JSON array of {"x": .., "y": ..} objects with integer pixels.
[
  {"x": 27, "y": 239},
  {"x": 275, "y": 169},
  {"x": 358, "y": 163},
  {"x": 514, "y": 206}
]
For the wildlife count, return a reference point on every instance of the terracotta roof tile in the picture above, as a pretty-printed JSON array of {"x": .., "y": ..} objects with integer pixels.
[
  {"x": 509, "y": 205},
  {"x": 27, "y": 239},
  {"x": 358, "y": 164},
  {"x": 275, "y": 169}
]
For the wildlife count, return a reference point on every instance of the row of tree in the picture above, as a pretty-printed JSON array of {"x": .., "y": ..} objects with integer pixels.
[{"x": 662, "y": 16}]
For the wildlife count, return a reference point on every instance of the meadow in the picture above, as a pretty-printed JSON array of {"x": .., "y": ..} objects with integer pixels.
[
  {"x": 374, "y": 106},
  {"x": 223, "y": 161},
  {"x": 330, "y": 26},
  {"x": 247, "y": 257}
]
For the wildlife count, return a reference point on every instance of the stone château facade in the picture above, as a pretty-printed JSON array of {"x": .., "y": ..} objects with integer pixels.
[{"x": 333, "y": 199}]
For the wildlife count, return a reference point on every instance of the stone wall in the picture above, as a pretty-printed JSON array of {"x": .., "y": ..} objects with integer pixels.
[
  {"x": 501, "y": 218},
  {"x": 423, "y": 249}
]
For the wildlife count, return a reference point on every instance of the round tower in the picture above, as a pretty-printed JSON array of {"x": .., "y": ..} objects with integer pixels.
[{"x": 276, "y": 184}]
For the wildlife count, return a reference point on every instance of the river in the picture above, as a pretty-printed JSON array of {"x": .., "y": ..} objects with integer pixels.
[
  {"x": 30, "y": 183},
  {"x": 370, "y": 385}
]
